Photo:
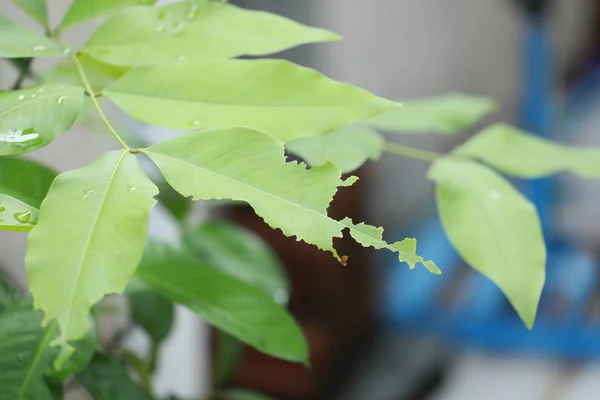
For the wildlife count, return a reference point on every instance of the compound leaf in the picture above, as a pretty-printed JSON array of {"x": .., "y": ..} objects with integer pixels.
[
  {"x": 83, "y": 10},
  {"x": 19, "y": 42},
  {"x": 98, "y": 217},
  {"x": 222, "y": 300},
  {"x": 195, "y": 29},
  {"x": 33, "y": 117},
  {"x": 277, "y": 97},
  {"x": 494, "y": 228},
  {"x": 450, "y": 114},
  {"x": 25, "y": 180},
  {"x": 517, "y": 153}
]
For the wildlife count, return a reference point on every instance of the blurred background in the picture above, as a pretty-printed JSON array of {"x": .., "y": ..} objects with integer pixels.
[{"x": 378, "y": 331}]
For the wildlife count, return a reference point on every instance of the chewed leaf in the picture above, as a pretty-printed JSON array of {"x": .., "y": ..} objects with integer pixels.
[
  {"x": 371, "y": 236},
  {"x": 16, "y": 215}
]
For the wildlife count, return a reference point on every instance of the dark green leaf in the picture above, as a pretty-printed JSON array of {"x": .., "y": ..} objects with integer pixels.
[
  {"x": 275, "y": 97},
  {"x": 33, "y": 117},
  {"x": 8, "y": 294},
  {"x": 106, "y": 379},
  {"x": 238, "y": 394},
  {"x": 19, "y": 42},
  {"x": 494, "y": 228},
  {"x": 25, "y": 180},
  {"x": 240, "y": 253},
  {"x": 224, "y": 301},
  {"x": 153, "y": 312},
  {"x": 177, "y": 205},
  {"x": 194, "y": 29},
  {"x": 228, "y": 355}
]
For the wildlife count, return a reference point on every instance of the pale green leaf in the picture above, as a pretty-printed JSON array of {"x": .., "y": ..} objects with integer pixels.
[
  {"x": 18, "y": 42},
  {"x": 347, "y": 148},
  {"x": 222, "y": 300},
  {"x": 241, "y": 253},
  {"x": 150, "y": 310},
  {"x": 277, "y": 97},
  {"x": 33, "y": 117},
  {"x": 16, "y": 215},
  {"x": 98, "y": 217},
  {"x": 106, "y": 379},
  {"x": 83, "y": 10},
  {"x": 195, "y": 29},
  {"x": 35, "y": 8},
  {"x": 517, "y": 153},
  {"x": 26, "y": 355},
  {"x": 450, "y": 114},
  {"x": 239, "y": 394},
  {"x": 246, "y": 165},
  {"x": 494, "y": 228},
  {"x": 99, "y": 74},
  {"x": 25, "y": 180}
]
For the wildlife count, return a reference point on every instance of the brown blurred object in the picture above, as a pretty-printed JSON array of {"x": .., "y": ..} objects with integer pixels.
[{"x": 332, "y": 303}]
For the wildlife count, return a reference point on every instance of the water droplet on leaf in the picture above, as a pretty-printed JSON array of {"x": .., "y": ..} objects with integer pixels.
[
  {"x": 2, "y": 208},
  {"x": 22, "y": 97},
  {"x": 22, "y": 217},
  {"x": 39, "y": 47},
  {"x": 86, "y": 194},
  {"x": 495, "y": 195},
  {"x": 195, "y": 122},
  {"x": 61, "y": 100},
  {"x": 17, "y": 136},
  {"x": 131, "y": 188},
  {"x": 160, "y": 28}
]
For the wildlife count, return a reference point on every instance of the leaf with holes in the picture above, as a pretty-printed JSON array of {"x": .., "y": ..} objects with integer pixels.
[
  {"x": 19, "y": 42},
  {"x": 224, "y": 301},
  {"x": 276, "y": 97},
  {"x": 25, "y": 180},
  {"x": 16, "y": 215},
  {"x": 517, "y": 153},
  {"x": 347, "y": 148},
  {"x": 494, "y": 228},
  {"x": 33, "y": 117},
  {"x": 98, "y": 217},
  {"x": 246, "y": 165},
  {"x": 36, "y": 8},
  {"x": 195, "y": 29},
  {"x": 450, "y": 114}
]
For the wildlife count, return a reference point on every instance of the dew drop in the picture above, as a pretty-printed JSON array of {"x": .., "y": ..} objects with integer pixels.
[
  {"x": 17, "y": 136},
  {"x": 131, "y": 188},
  {"x": 22, "y": 217},
  {"x": 192, "y": 12},
  {"x": 495, "y": 195},
  {"x": 160, "y": 28},
  {"x": 61, "y": 100},
  {"x": 86, "y": 194},
  {"x": 163, "y": 15},
  {"x": 22, "y": 97},
  {"x": 181, "y": 58},
  {"x": 2, "y": 208},
  {"x": 39, "y": 47},
  {"x": 195, "y": 122},
  {"x": 67, "y": 51},
  {"x": 178, "y": 25},
  {"x": 1, "y": 220},
  {"x": 40, "y": 90},
  {"x": 33, "y": 96}
]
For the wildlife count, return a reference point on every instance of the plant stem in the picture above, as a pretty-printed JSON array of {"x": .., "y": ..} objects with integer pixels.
[
  {"x": 142, "y": 370},
  {"x": 88, "y": 88},
  {"x": 411, "y": 152}
]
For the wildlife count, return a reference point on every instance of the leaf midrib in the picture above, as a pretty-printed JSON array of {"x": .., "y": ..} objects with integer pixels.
[
  {"x": 30, "y": 101},
  {"x": 36, "y": 359}
]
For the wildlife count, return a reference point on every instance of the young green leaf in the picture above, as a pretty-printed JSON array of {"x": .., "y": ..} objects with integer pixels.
[
  {"x": 98, "y": 217},
  {"x": 152, "y": 311},
  {"x": 240, "y": 253},
  {"x": 450, "y": 114},
  {"x": 494, "y": 228},
  {"x": 83, "y": 10},
  {"x": 33, "y": 117},
  {"x": 99, "y": 74},
  {"x": 26, "y": 356},
  {"x": 16, "y": 215},
  {"x": 517, "y": 153},
  {"x": 18, "y": 42},
  {"x": 25, "y": 180},
  {"x": 106, "y": 379},
  {"x": 35, "y": 8},
  {"x": 277, "y": 97},
  {"x": 246, "y": 165},
  {"x": 347, "y": 148},
  {"x": 195, "y": 29},
  {"x": 224, "y": 301}
]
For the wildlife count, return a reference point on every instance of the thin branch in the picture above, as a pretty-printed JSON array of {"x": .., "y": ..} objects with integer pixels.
[{"x": 411, "y": 152}]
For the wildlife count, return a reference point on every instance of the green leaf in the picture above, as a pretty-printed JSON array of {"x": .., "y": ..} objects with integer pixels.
[
  {"x": 238, "y": 394},
  {"x": 106, "y": 379},
  {"x": 18, "y": 42},
  {"x": 35, "y": 8},
  {"x": 152, "y": 311},
  {"x": 26, "y": 355},
  {"x": 347, "y": 148},
  {"x": 229, "y": 352},
  {"x": 230, "y": 304},
  {"x": 240, "y": 253},
  {"x": 450, "y": 114},
  {"x": 16, "y": 215},
  {"x": 33, "y": 117},
  {"x": 8, "y": 294},
  {"x": 177, "y": 205},
  {"x": 195, "y": 29},
  {"x": 83, "y": 10},
  {"x": 246, "y": 165},
  {"x": 98, "y": 217},
  {"x": 99, "y": 74},
  {"x": 25, "y": 180},
  {"x": 276, "y": 97},
  {"x": 494, "y": 228},
  {"x": 517, "y": 153}
]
